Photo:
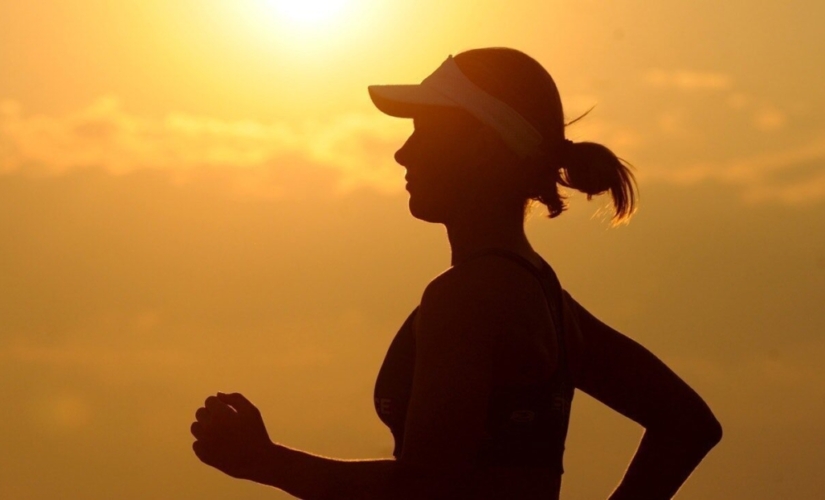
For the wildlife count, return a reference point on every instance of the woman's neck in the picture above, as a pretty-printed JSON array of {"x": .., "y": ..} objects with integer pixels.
[{"x": 480, "y": 232}]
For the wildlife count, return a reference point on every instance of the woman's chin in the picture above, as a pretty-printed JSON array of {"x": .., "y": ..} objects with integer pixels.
[{"x": 425, "y": 212}]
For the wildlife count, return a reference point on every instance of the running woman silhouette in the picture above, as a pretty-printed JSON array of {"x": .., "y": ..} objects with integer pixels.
[{"x": 477, "y": 384}]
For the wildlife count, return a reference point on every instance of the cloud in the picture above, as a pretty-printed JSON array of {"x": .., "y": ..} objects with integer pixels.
[
  {"x": 724, "y": 141},
  {"x": 809, "y": 190},
  {"x": 738, "y": 100},
  {"x": 795, "y": 175},
  {"x": 794, "y": 377},
  {"x": 104, "y": 134},
  {"x": 62, "y": 412},
  {"x": 277, "y": 159},
  {"x": 687, "y": 80},
  {"x": 769, "y": 119},
  {"x": 620, "y": 138}
]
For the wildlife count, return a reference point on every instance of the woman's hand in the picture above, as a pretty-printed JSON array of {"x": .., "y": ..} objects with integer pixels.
[{"x": 230, "y": 435}]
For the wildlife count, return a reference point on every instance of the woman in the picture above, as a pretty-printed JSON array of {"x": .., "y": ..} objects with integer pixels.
[{"x": 476, "y": 387}]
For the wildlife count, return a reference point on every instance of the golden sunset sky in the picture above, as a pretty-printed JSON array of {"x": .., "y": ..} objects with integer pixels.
[{"x": 197, "y": 195}]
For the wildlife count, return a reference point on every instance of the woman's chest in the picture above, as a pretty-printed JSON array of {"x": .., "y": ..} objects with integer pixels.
[{"x": 524, "y": 355}]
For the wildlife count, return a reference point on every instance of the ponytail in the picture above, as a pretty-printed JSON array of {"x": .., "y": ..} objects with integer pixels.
[{"x": 592, "y": 169}]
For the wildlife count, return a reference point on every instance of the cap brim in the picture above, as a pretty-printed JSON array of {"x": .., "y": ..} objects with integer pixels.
[{"x": 405, "y": 101}]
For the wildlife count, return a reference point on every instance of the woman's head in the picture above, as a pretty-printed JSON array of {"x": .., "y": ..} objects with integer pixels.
[
  {"x": 492, "y": 153},
  {"x": 456, "y": 164}
]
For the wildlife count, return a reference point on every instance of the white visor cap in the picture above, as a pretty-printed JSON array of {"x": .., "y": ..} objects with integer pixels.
[{"x": 448, "y": 86}]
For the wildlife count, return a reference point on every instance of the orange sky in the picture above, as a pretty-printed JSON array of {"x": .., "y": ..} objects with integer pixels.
[{"x": 198, "y": 196}]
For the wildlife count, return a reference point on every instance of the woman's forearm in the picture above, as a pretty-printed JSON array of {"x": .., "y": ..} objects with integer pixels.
[
  {"x": 313, "y": 477},
  {"x": 663, "y": 463}
]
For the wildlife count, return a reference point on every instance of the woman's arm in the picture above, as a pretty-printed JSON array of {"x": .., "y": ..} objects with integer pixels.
[
  {"x": 231, "y": 437},
  {"x": 679, "y": 427},
  {"x": 460, "y": 314}
]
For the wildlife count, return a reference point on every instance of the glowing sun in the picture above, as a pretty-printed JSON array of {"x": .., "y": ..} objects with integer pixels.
[
  {"x": 307, "y": 29},
  {"x": 309, "y": 12}
]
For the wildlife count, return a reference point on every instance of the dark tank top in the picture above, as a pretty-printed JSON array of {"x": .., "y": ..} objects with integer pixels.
[{"x": 526, "y": 425}]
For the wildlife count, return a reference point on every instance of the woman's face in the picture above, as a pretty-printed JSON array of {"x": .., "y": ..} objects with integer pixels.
[{"x": 444, "y": 157}]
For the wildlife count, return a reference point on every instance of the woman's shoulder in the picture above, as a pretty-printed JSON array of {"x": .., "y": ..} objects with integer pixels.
[{"x": 492, "y": 282}]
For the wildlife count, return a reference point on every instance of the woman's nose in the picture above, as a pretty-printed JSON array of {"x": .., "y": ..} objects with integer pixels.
[
  {"x": 399, "y": 156},
  {"x": 403, "y": 154}
]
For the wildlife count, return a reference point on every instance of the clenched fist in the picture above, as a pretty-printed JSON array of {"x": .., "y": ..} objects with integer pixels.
[{"x": 230, "y": 435}]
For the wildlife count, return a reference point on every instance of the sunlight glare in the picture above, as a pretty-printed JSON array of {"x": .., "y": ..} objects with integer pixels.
[
  {"x": 308, "y": 32},
  {"x": 309, "y": 12}
]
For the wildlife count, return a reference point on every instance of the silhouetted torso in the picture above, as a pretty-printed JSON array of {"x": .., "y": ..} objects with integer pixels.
[{"x": 528, "y": 412}]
